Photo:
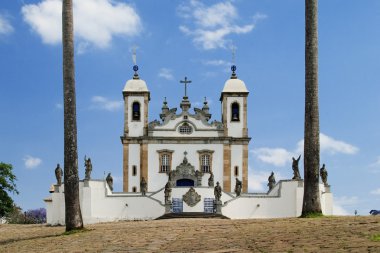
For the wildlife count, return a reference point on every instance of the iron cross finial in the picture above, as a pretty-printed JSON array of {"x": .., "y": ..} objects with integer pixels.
[
  {"x": 233, "y": 54},
  {"x": 134, "y": 55},
  {"x": 185, "y": 82}
]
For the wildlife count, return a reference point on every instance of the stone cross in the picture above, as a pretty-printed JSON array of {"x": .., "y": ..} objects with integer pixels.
[{"x": 185, "y": 82}]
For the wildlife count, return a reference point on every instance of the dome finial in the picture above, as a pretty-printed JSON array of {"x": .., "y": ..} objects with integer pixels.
[
  {"x": 165, "y": 104},
  {"x": 233, "y": 75},
  {"x": 135, "y": 67},
  {"x": 233, "y": 67}
]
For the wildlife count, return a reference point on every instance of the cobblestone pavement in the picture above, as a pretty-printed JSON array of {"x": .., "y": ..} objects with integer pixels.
[{"x": 335, "y": 234}]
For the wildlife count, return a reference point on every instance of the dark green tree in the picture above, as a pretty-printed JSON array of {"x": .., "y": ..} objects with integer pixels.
[{"x": 7, "y": 185}]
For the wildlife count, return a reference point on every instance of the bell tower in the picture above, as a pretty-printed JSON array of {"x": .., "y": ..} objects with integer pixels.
[
  {"x": 136, "y": 104},
  {"x": 136, "y": 101},
  {"x": 234, "y": 118}
]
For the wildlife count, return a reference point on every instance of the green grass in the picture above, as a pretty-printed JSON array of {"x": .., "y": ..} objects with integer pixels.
[
  {"x": 312, "y": 215},
  {"x": 375, "y": 238}
]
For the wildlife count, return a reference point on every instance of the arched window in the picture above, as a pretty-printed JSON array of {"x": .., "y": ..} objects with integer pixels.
[
  {"x": 185, "y": 128},
  {"x": 134, "y": 189},
  {"x": 134, "y": 170},
  {"x": 235, "y": 112},
  {"x": 136, "y": 111},
  {"x": 236, "y": 171},
  {"x": 205, "y": 163}
]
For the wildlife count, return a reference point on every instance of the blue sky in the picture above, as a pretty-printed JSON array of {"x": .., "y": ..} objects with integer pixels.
[{"x": 194, "y": 39}]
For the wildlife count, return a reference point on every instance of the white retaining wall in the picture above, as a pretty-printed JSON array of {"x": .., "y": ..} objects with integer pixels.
[{"x": 99, "y": 204}]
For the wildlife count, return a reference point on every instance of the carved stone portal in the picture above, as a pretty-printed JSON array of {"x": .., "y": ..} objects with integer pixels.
[
  {"x": 191, "y": 197},
  {"x": 185, "y": 171}
]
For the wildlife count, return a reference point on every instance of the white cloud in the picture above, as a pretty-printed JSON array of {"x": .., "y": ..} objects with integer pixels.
[
  {"x": 99, "y": 102},
  {"x": 332, "y": 146},
  {"x": 212, "y": 24},
  {"x": 275, "y": 156},
  {"x": 217, "y": 63},
  {"x": 258, "y": 180},
  {"x": 31, "y": 162},
  {"x": 259, "y": 16},
  {"x": 375, "y": 167},
  {"x": 341, "y": 204},
  {"x": 376, "y": 163},
  {"x": 166, "y": 73},
  {"x": 5, "y": 25},
  {"x": 339, "y": 210},
  {"x": 200, "y": 104},
  {"x": 376, "y": 192},
  {"x": 96, "y": 22},
  {"x": 281, "y": 156}
]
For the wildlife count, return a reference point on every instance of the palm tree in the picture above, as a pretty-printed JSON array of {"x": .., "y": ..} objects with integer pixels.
[
  {"x": 73, "y": 217},
  {"x": 311, "y": 200}
]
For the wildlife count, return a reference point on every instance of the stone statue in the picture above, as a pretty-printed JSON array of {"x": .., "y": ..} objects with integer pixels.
[
  {"x": 168, "y": 192},
  {"x": 143, "y": 186},
  {"x": 58, "y": 174},
  {"x": 211, "y": 180},
  {"x": 296, "y": 172},
  {"x": 271, "y": 181},
  {"x": 88, "y": 165},
  {"x": 109, "y": 181},
  {"x": 324, "y": 175},
  {"x": 185, "y": 161},
  {"x": 217, "y": 192},
  {"x": 238, "y": 186}
]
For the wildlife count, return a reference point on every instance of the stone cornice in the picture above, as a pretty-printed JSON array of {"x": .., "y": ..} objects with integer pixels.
[
  {"x": 184, "y": 140},
  {"x": 136, "y": 93},
  {"x": 233, "y": 94}
]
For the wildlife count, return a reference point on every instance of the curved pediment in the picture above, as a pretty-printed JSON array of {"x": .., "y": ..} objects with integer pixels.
[{"x": 197, "y": 120}]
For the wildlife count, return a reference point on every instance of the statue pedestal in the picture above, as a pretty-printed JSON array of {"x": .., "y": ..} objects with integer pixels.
[
  {"x": 218, "y": 207},
  {"x": 85, "y": 183},
  {"x": 168, "y": 207},
  {"x": 56, "y": 188}
]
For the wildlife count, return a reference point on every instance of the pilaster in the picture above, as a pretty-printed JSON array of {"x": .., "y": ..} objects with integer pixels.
[
  {"x": 224, "y": 116},
  {"x": 245, "y": 168},
  {"x": 125, "y": 166},
  {"x": 227, "y": 167},
  {"x": 144, "y": 161},
  {"x": 126, "y": 115},
  {"x": 245, "y": 130},
  {"x": 146, "y": 108}
]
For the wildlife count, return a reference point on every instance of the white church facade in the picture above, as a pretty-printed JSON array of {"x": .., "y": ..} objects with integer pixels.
[{"x": 173, "y": 165}]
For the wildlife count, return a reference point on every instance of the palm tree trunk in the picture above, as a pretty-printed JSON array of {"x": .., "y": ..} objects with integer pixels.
[
  {"x": 73, "y": 217},
  {"x": 311, "y": 200}
]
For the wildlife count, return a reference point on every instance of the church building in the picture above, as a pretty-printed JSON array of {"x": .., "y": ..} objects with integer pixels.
[
  {"x": 183, "y": 163},
  {"x": 151, "y": 150}
]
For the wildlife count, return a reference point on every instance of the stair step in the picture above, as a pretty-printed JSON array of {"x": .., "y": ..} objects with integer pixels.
[{"x": 198, "y": 215}]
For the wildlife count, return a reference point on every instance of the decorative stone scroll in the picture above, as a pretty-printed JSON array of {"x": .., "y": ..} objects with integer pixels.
[
  {"x": 191, "y": 198},
  {"x": 185, "y": 171}
]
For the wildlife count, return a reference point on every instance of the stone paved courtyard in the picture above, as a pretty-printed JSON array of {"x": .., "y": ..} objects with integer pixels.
[{"x": 337, "y": 234}]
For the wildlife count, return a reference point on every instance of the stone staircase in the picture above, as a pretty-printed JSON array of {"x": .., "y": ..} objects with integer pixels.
[{"x": 193, "y": 215}]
